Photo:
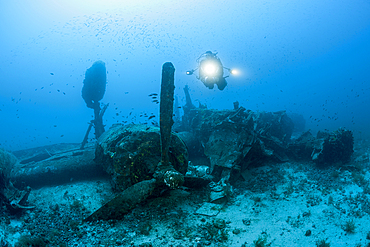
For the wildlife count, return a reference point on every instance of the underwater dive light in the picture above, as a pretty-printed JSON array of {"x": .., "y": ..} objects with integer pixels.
[
  {"x": 190, "y": 72},
  {"x": 210, "y": 68},
  {"x": 234, "y": 71}
]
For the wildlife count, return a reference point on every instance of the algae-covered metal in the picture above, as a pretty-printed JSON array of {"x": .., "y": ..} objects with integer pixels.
[
  {"x": 131, "y": 154},
  {"x": 142, "y": 158},
  {"x": 166, "y": 109},
  {"x": 326, "y": 148}
]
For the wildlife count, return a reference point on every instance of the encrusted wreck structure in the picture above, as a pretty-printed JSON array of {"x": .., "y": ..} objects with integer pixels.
[
  {"x": 206, "y": 146},
  {"x": 231, "y": 140}
]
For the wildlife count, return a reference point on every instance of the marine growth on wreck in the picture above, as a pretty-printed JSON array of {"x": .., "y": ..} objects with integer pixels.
[{"x": 184, "y": 123}]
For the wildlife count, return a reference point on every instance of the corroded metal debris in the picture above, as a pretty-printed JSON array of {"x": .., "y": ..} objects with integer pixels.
[
  {"x": 132, "y": 153},
  {"x": 166, "y": 110},
  {"x": 326, "y": 148},
  {"x": 55, "y": 164},
  {"x": 142, "y": 159},
  {"x": 166, "y": 172},
  {"x": 234, "y": 139},
  {"x": 124, "y": 201},
  {"x": 13, "y": 198}
]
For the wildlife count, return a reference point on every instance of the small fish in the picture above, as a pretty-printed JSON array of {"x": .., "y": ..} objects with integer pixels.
[
  {"x": 61, "y": 135},
  {"x": 42, "y": 87},
  {"x": 55, "y": 126},
  {"x": 51, "y": 73},
  {"x": 58, "y": 90},
  {"x": 151, "y": 117},
  {"x": 152, "y": 94}
]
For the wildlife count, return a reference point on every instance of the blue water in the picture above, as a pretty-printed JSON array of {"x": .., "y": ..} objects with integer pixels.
[{"x": 307, "y": 57}]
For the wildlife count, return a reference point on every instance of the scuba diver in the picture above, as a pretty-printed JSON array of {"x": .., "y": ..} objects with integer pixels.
[{"x": 211, "y": 71}]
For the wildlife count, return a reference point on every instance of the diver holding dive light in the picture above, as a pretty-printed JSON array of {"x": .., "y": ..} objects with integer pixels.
[{"x": 211, "y": 71}]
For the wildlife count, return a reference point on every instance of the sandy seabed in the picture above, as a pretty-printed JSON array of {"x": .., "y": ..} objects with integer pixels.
[{"x": 289, "y": 204}]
